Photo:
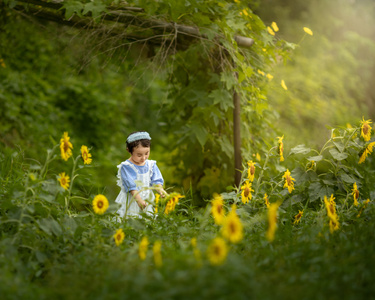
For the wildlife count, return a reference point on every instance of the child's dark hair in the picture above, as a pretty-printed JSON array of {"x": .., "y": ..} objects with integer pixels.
[{"x": 143, "y": 142}]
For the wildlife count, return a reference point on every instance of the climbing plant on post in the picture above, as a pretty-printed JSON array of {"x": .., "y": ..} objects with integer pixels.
[{"x": 198, "y": 46}]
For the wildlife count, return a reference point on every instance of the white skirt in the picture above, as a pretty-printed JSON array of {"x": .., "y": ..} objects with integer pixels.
[{"x": 131, "y": 209}]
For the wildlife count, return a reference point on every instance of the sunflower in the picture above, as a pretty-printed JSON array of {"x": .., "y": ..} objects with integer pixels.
[
  {"x": 280, "y": 148},
  {"x": 251, "y": 170},
  {"x": 284, "y": 85},
  {"x": 272, "y": 221},
  {"x": 217, "y": 209},
  {"x": 119, "y": 236},
  {"x": 332, "y": 214},
  {"x": 365, "y": 152},
  {"x": 363, "y": 207},
  {"x": 86, "y": 156},
  {"x": 307, "y": 30},
  {"x": 157, "y": 198},
  {"x": 355, "y": 194},
  {"x": 100, "y": 204},
  {"x": 274, "y": 27},
  {"x": 64, "y": 180},
  {"x": 270, "y": 31},
  {"x": 156, "y": 249},
  {"x": 172, "y": 202},
  {"x": 298, "y": 217},
  {"x": 66, "y": 147},
  {"x": 232, "y": 228},
  {"x": 261, "y": 72},
  {"x": 142, "y": 250},
  {"x": 311, "y": 165},
  {"x": 266, "y": 201},
  {"x": 366, "y": 129},
  {"x": 331, "y": 207},
  {"x": 333, "y": 225},
  {"x": 246, "y": 192},
  {"x": 288, "y": 181},
  {"x": 217, "y": 251}
]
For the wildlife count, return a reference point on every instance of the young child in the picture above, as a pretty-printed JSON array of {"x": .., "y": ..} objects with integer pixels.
[{"x": 135, "y": 174}]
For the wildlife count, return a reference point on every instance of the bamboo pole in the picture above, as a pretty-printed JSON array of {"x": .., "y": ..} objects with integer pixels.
[{"x": 237, "y": 137}]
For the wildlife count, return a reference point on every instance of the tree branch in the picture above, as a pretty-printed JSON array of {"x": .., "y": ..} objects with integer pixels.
[{"x": 53, "y": 12}]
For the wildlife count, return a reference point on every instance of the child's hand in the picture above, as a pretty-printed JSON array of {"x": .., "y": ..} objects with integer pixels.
[
  {"x": 163, "y": 193},
  {"x": 142, "y": 204}
]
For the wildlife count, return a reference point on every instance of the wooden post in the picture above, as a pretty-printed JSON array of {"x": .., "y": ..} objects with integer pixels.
[{"x": 237, "y": 138}]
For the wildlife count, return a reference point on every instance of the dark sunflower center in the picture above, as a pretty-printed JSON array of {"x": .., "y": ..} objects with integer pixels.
[
  {"x": 217, "y": 250},
  {"x": 232, "y": 228},
  {"x": 246, "y": 192},
  {"x": 365, "y": 129},
  {"x": 219, "y": 208},
  {"x": 66, "y": 146},
  {"x": 356, "y": 194},
  {"x": 100, "y": 204},
  {"x": 252, "y": 170}
]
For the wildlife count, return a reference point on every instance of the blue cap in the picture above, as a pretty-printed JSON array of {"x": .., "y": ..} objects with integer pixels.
[{"x": 136, "y": 136}]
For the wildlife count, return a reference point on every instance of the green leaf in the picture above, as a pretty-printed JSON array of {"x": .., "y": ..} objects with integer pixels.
[
  {"x": 44, "y": 225},
  {"x": 249, "y": 71},
  {"x": 222, "y": 97},
  {"x": 40, "y": 256},
  {"x": 200, "y": 133},
  {"x": 347, "y": 178},
  {"x": 300, "y": 149},
  {"x": 339, "y": 146},
  {"x": 50, "y": 226},
  {"x": 337, "y": 155},
  {"x": 316, "y": 158},
  {"x": 241, "y": 76},
  {"x": 229, "y": 79},
  {"x": 71, "y": 7},
  {"x": 209, "y": 33},
  {"x": 293, "y": 200},
  {"x": 317, "y": 190},
  {"x": 95, "y": 8},
  {"x": 55, "y": 227},
  {"x": 12, "y": 4}
]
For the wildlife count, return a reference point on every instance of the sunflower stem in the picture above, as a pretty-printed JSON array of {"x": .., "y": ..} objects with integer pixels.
[
  {"x": 261, "y": 173},
  {"x": 48, "y": 160},
  {"x": 67, "y": 200}
]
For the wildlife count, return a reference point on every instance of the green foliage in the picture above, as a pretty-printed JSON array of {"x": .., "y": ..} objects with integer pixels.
[
  {"x": 94, "y": 8},
  {"x": 193, "y": 106},
  {"x": 50, "y": 248}
]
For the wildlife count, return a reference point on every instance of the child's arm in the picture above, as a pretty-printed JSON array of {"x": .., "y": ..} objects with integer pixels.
[{"x": 141, "y": 203}]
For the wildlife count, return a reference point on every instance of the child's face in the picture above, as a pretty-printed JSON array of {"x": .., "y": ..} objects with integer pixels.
[{"x": 140, "y": 155}]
